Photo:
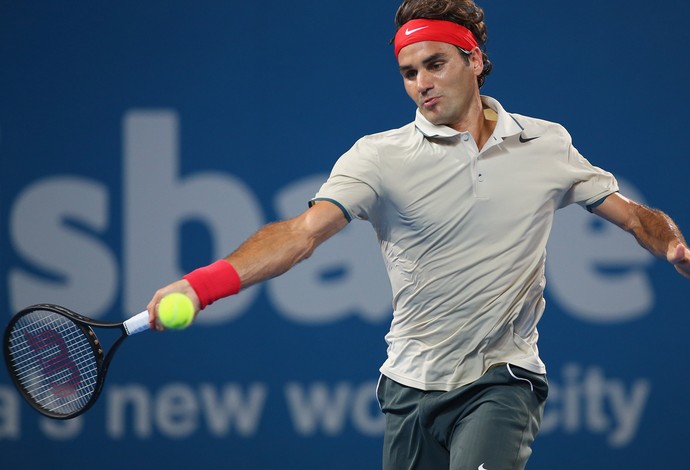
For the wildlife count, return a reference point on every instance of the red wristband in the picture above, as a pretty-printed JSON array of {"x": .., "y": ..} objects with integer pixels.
[{"x": 213, "y": 282}]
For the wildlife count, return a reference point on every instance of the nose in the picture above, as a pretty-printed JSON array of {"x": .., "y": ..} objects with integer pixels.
[{"x": 424, "y": 82}]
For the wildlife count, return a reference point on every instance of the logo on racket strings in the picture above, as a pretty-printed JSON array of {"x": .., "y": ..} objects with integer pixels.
[{"x": 58, "y": 369}]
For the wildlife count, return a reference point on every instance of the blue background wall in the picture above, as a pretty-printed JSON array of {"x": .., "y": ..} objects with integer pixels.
[{"x": 141, "y": 139}]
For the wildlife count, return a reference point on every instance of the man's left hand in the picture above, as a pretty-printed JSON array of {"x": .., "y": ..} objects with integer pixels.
[{"x": 680, "y": 258}]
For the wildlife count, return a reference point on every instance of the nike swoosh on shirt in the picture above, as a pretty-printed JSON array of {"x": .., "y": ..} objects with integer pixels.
[
  {"x": 481, "y": 467},
  {"x": 522, "y": 141},
  {"x": 411, "y": 31}
]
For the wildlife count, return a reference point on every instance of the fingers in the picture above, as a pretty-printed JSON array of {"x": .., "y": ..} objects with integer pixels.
[
  {"x": 680, "y": 253},
  {"x": 181, "y": 286},
  {"x": 680, "y": 258},
  {"x": 676, "y": 254},
  {"x": 152, "y": 308}
]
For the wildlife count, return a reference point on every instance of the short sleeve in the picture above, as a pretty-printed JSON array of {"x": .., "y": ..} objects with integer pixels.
[
  {"x": 354, "y": 182},
  {"x": 591, "y": 184}
]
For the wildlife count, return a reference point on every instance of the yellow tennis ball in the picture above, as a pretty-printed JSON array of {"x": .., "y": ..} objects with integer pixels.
[{"x": 176, "y": 311}]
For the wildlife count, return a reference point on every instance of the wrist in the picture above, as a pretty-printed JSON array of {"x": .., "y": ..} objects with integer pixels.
[{"x": 213, "y": 282}]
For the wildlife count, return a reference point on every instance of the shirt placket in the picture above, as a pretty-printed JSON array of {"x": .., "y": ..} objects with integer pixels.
[{"x": 478, "y": 176}]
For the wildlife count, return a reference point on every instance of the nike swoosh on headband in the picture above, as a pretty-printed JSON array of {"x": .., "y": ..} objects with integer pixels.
[{"x": 412, "y": 31}]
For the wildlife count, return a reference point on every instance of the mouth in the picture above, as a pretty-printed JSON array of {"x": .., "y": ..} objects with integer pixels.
[{"x": 430, "y": 102}]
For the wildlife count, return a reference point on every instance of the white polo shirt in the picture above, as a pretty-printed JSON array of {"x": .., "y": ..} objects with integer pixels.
[{"x": 463, "y": 234}]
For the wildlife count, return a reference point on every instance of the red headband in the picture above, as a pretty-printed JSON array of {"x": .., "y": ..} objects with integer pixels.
[{"x": 434, "y": 30}]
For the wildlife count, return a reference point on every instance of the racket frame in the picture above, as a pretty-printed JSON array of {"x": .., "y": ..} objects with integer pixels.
[{"x": 84, "y": 324}]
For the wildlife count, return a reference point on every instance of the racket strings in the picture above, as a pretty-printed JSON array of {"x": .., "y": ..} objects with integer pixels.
[
  {"x": 58, "y": 379},
  {"x": 54, "y": 361},
  {"x": 26, "y": 353}
]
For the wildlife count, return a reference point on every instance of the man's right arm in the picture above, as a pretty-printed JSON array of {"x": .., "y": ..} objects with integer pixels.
[
  {"x": 270, "y": 252},
  {"x": 277, "y": 247}
]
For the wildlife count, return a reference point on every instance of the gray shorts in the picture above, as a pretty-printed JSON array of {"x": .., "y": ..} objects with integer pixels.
[{"x": 489, "y": 424}]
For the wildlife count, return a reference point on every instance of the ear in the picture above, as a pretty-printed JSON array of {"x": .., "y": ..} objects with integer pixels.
[{"x": 477, "y": 61}]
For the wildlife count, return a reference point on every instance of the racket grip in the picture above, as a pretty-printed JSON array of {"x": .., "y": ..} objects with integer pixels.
[{"x": 137, "y": 324}]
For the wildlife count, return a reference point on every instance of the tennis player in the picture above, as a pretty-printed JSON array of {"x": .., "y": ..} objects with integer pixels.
[{"x": 462, "y": 200}]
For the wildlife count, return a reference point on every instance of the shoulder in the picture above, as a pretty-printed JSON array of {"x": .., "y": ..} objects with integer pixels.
[
  {"x": 372, "y": 147},
  {"x": 535, "y": 127},
  {"x": 391, "y": 138},
  {"x": 529, "y": 128}
]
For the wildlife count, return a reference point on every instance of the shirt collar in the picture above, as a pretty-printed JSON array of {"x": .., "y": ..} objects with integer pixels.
[
  {"x": 432, "y": 130},
  {"x": 505, "y": 126}
]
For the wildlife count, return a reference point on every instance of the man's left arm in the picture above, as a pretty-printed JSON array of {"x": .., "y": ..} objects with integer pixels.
[{"x": 653, "y": 230}]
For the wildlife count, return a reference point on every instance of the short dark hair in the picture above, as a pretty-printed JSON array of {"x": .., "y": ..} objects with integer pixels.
[{"x": 462, "y": 12}]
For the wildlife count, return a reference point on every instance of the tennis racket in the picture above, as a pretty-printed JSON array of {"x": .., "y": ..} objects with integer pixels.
[{"x": 56, "y": 360}]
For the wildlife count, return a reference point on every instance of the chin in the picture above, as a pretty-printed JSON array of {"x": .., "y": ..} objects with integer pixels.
[
  {"x": 431, "y": 117},
  {"x": 434, "y": 118}
]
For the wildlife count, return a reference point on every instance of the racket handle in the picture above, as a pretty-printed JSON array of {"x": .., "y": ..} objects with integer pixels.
[{"x": 137, "y": 324}]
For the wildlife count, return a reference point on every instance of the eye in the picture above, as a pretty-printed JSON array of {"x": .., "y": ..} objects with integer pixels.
[
  {"x": 409, "y": 74},
  {"x": 436, "y": 66}
]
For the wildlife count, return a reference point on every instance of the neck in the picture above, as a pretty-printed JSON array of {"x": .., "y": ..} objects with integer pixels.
[
  {"x": 477, "y": 123},
  {"x": 486, "y": 129}
]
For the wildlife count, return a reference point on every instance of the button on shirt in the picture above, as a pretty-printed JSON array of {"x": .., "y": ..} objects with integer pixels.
[{"x": 463, "y": 235}]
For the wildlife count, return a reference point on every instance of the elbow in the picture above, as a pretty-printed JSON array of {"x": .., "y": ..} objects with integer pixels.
[
  {"x": 308, "y": 250},
  {"x": 306, "y": 244}
]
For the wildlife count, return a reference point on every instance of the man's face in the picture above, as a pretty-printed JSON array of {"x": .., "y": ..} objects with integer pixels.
[{"x": 440, "y": 81}]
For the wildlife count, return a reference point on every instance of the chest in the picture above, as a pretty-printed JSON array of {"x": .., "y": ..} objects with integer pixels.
[{"x": 453, "y": 183}]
